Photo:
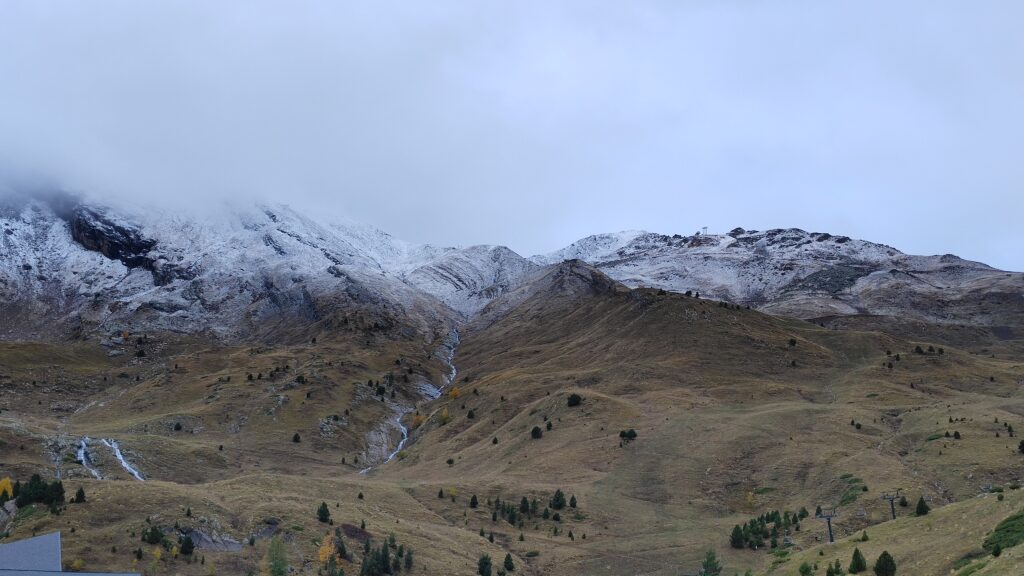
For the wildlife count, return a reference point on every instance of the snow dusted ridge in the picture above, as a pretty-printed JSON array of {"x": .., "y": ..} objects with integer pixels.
[
  {"x": 81, "y": 265},
  {"x": 804, "y": 274}
]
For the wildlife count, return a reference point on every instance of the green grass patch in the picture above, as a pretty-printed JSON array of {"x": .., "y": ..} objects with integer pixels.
[
  {"x": 850, "y": 496},
  {"x": 872, "y": 395},
  {"x": 968, "y": 558},
  {"x": 933, "y": 437},
  {"x": 532, "y": 554},
  {"x": 1007, "y": 533},
  {"x": 845, "y": 476},
  {"x": 972, "y": 569},
  {"x": 764, "y": 490}
]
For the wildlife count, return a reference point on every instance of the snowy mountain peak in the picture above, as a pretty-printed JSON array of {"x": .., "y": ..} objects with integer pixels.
[{"x": 230, "y": 270}]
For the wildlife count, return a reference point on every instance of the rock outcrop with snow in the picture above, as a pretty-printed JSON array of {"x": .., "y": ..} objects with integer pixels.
[{"x": 68, "y": 266}]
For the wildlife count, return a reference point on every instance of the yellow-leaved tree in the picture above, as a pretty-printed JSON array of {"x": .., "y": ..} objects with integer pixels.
[
  {"x": 6, "y": 489},
  {"x": 417, "y": 420},
  {"x": 327, "y": 549},
  {"x": 445, "y": 417},
  {"x": 454, "y": 393}
]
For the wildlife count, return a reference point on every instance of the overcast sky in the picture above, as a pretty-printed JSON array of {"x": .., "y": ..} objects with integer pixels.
[{"x": 532, "y": 124}]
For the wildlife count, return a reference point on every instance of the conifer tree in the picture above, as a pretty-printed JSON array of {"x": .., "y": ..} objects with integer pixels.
[
  {"x": 558, "y": 500},
  {"x": 922, "y": 507},
  {"x": 323, "y": 513},
  {"x": 483, "y": 566},
  {"x": 885, "y": 565},
  {"x": 857, "y": 562},
  {"x": 710, "y": 565},
  {"x": 736, "y": 540},
  {"x": 509, "y": 565}
]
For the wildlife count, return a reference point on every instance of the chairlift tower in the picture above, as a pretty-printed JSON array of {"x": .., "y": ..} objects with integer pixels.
[
  {"x": 704, "y": 231},
  {"x": 827, "y": 516},
  {"x": 892, "y": 500}
]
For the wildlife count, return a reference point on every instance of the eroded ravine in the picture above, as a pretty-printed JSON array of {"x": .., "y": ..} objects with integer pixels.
[{"x": 428, "y": 391}]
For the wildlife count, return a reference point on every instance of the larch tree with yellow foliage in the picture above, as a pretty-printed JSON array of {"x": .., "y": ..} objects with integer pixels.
[
  {"x": 6, "y": 489},
  {"x": 445, "y": 417},
  {"x": 327, "y": 549},
  {"x": 454, "y": 393}
]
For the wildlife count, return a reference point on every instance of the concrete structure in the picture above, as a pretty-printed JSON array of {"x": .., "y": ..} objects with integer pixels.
[{"x": 38, "y": 556}]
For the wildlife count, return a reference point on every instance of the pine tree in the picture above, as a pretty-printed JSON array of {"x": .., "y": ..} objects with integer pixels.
[
  {"x": 408, "y": 560},
  {"x": 323, "y": 513},
  {"x": 80, "y": 496},
  {"x": 558, "y": 500},
  {"x": 710, "y": 565},
  {"x": 473, "y": 502},
  {"x": 483, "y": 566},
  {"x": 186, "y": 545},
  {"x": 572, "y": 501},
  {"x": 885, "y": 565},
  {"x": 736, "y": 540},
  {"x": 922, "y": 507},
  {"x": 296, "y": 438},
  {"x": 524, "y": 506},
  {"x": 857, "y": 563},
  {"x": 509, "y": 565},
  {"x": 536, "y": 433},
  {"x": 276, "y": 559}
]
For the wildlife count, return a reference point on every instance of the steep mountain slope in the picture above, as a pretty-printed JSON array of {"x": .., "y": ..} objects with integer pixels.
[
  {"x": 736, "y": 412},
  {"x": 809, "y": 275}
]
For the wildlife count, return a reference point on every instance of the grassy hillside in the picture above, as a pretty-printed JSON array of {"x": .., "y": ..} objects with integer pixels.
[{"x": 736, "y": 414}]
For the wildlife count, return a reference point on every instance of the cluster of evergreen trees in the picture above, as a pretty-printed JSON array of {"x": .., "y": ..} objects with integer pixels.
[
  {"x": 754, "y": 533},
  {"x": 885, "y": 565},
  {"x": 514, "y": 513},
  {"x": 484, "y": 565},
  {"x": 38, "y": 491},
  {"x": 381, "y": 561}
]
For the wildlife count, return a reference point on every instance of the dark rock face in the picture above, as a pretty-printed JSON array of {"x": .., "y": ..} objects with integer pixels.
[{"x": 97, "y": 233}]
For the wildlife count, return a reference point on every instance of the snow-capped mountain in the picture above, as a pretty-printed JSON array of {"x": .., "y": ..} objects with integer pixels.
[
  {"x": 72, "y": 265},
  {"x": 806, "y": 274},
  {"x": 229, "y": 271}
]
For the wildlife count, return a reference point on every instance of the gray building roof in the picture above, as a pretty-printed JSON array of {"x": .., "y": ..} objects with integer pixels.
[
  {"x": 39, "y": 556},
  {"x": 39, "y": 553}
]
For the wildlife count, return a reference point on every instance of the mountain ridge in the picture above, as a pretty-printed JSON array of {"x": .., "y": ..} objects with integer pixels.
[{"x": 228, "y": 271}]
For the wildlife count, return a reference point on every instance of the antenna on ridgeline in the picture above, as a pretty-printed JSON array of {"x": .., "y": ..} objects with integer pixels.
[
  {"x": 704, "y": 231},
  {"x": 827, "y": 516},
  {"x": 892, "y": 500}
]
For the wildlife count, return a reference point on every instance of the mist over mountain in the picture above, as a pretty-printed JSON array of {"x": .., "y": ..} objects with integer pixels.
[{"x": 240, "y": 267}]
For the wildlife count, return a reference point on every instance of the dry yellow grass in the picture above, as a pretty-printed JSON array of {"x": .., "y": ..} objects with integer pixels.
[{"x": 728, "y": 428}]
